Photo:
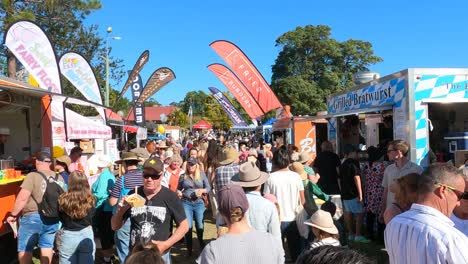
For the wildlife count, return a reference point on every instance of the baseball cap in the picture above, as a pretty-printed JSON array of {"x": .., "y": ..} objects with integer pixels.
[
  {"x": 192, "y": 161},
  {"x": 44, "y": 156},
  {"x": 232, "y": 196},
  {"x": 155, "y": 164}
]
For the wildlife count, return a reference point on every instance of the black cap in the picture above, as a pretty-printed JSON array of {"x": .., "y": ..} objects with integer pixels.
[{"x": 44, "y": 156}]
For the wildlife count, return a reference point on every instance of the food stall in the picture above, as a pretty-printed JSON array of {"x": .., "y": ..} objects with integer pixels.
[
  {"x": 25, "y": 111},
  {"x": 420, "y": 106}
]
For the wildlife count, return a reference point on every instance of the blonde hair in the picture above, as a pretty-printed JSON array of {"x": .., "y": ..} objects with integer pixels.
[
  {"x": 197, "y": 174},
  {"x": 267, "y": 147}
]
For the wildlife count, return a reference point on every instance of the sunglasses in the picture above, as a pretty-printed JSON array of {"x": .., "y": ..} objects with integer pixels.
[
  {"x": 460, "y": 195},
  {"x": 152, "y": 176}
]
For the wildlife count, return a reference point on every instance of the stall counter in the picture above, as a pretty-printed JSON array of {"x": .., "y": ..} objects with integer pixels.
[{"x": 8, "y": 191}]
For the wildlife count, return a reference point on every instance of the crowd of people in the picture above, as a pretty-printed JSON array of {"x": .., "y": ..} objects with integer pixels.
[{"x": 271, "y": 204}]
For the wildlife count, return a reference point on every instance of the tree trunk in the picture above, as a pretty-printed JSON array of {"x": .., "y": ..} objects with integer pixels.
[{"x": 11, "y": 61}]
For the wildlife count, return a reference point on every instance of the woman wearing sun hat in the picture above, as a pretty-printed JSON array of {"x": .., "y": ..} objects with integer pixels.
[{"x": 324, "y": 230}]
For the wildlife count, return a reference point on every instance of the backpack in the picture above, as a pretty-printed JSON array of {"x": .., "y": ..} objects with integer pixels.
[
  {"x": 123, "y": 191},
  {"x": 48, "y": 207}
]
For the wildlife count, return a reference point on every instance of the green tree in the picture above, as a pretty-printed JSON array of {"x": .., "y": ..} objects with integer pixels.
[
  {"x": 311, "y": 66},
  {"x": 215, "y": 114},
  {"x": 63, "y": 21},
  {"x": 151, "y": 102},
  {"x": 178, "y": 118},
  {"x": 197, "y": 99}
]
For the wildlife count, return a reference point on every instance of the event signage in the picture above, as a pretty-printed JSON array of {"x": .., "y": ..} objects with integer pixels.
[
  {"x": 78, "y": 71},
  {"x": 157, "y": 80},
  {"x": 375, "y": 95},
  {"x": 248, "y": 74},
  {"x": 32, "y": 48},
  {"x": 142, "y": 60},
  {"x": 233, "y": 114},
  {"x": 235, "y": 86},
  {"x": 138, "y": 109}
]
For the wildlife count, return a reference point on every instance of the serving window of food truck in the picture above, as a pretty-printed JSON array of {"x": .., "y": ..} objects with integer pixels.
[{"x": 425, "y": 107}]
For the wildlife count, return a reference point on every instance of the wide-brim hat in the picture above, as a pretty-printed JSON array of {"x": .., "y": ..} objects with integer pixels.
[
  {"x": 161, "y": 145},
  {"x": 64, "y": 159},
  {"x": 322, "y": 220},
  {"x": 299, "y": 169},
  {"x": 249, "y": 176},
  {"x": 141, "y": 153},
  {"x": 128, "y": 156},
  {"x": 104, "y": 161},
  {"x": 229, "y": 155}
]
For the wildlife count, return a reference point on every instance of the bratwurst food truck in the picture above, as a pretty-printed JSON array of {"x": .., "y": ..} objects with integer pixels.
[{"x": 425, "y": 107}]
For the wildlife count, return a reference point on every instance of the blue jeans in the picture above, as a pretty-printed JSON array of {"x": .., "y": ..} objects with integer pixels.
[
  {"x": 34, "y": 230},
  {"x": 197, "y": 209},
  {"x": 77, "y": 246},
  {"x": 122, "y": 241},
  {"x": 167, "y": 257}
]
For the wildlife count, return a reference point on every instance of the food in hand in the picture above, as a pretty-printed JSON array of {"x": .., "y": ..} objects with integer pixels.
[{"x": 135, "y": 200}]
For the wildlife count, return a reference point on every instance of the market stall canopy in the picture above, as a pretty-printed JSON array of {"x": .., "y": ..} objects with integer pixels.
[
  {"x": 81, "y": 127},
  {"x": 202, "y": 125},
  {"x": 269, "y": 122},
  {"x": 249, "y": 127}
]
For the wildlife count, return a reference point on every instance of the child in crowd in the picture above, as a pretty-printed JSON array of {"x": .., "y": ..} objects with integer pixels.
[
  {"x": 405, "y": 189},
  {"x": 145, "y": 255},
  {"x": 352, "y": 194},
  {"x": 330, "y": 207},
  {"x": 324, "y": 229}
]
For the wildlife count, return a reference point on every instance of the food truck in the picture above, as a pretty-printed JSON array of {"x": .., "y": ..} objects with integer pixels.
[
  {"x": 301, "y": 132},
  {"x": 25, "y": 115},
  {"x": 425, "y": 107}
]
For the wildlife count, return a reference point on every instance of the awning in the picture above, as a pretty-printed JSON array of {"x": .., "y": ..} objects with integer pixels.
[
  {"x": 81, "y": 127},
  {"x": 202, "y": 125}
]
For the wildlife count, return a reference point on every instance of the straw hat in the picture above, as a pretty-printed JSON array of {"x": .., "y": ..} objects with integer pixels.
[
  {"x": 249, "y": 176},
  {"x": 104, "y": 161},
  {"x": 304, "y": 157},
  {"x": 228, "y": 156},
  {"x": 161, "y": 144},
  {"x": 322, "y": 220},
  {"x": 64, "y": 159},
  {"x": 128, "y": 156},
  {"x": 299, "y": 169}
]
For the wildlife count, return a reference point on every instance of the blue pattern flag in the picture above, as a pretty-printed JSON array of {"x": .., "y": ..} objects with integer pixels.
[{"x": 233, "y": 114}]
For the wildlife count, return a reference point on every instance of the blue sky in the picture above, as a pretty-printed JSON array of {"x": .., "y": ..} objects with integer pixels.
[{"x": 405, "y": 34}]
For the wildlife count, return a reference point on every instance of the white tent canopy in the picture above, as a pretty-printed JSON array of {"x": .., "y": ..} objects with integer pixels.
[{"x": 79, "y": 127}]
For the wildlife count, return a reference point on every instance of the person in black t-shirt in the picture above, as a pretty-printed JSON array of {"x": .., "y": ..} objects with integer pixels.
[
  {"x": 351, "y": 193},
  {"x": 151, "y": 222},
  {"x": 326, "y": 164}
]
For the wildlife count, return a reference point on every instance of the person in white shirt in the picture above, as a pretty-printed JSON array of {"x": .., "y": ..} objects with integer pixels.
[
  {"x": 460, "y": 213},
  {"x": 287, "y": 186},
  {"x": 397, "y": 151},
  {"x": 425, "y": 233}
]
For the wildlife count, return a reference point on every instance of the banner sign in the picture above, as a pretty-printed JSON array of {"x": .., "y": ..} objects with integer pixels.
[
  {"x": 138, "y": 109},
  {"x": 142, "y": 60},
  {"x": 78, "y": 71},
  {"x": 157, "y": 80},
  {"x": 248, "y": 74},
  {"x": 233, "y": 114},
  {"x": 235, "y": 86},
  {"x": 32, "y": 48},
  {"x": 375, "y": 95}
]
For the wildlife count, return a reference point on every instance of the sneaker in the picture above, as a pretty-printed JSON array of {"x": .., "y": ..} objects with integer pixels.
[{"x": 361, "y": 239}]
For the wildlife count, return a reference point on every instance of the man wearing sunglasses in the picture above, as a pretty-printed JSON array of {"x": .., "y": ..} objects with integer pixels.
[
  {"x": 151, "y": 223},
  {"x": 425, "y": 233},
  {"x": 460, "y": 213}
]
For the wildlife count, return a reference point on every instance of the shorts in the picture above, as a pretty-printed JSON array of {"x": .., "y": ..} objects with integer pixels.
[
  {"x": 34, "y": 232},
  {"x": 353, "y": 206}
]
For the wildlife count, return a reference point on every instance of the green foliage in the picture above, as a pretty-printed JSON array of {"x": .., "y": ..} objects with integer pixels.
[
  {"x": 215, "y": 114},
  {"x": 197, "y": 99},
  {"x": 178, "y": 118},
  {"x": 63, "y": 21},
  {"x": 151, "y": 102},
  {"x": 311, "y": 66}
]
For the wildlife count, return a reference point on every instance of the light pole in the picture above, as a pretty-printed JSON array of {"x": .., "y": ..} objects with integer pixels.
[{"x": 109, "y": 30}]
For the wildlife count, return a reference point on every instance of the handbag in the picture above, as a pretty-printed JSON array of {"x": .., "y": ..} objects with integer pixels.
[{"x": 205, "y": 199}]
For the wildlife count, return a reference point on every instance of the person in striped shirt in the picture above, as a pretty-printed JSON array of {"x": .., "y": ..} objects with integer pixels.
[{"x": 324, "y": 229}]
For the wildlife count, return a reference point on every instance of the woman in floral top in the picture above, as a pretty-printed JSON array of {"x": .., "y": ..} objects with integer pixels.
[{"x": 373, "y": 172}]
